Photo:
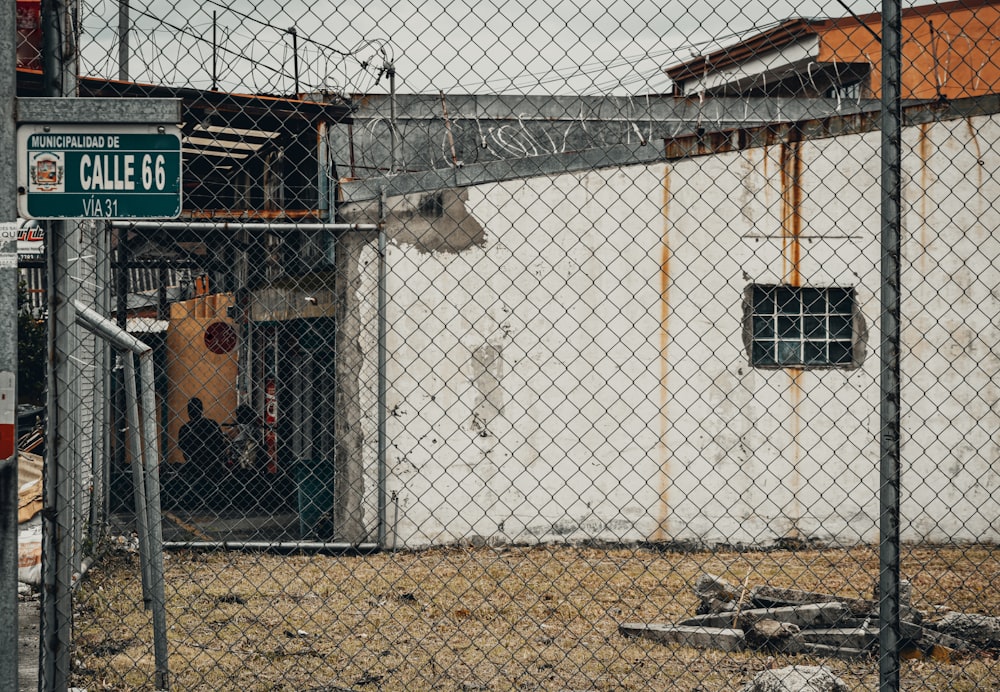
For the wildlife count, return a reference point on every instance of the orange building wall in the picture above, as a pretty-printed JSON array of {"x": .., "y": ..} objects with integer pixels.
[
  {"x": 194, "y": 370},
  {"x": 948, "y": 50}
]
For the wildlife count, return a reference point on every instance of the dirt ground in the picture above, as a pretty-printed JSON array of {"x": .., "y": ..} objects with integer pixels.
[{"x": 505, "y": 618}]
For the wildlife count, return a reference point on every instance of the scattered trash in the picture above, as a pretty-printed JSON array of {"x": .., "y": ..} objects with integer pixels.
[
  {"x": 29, "y": 519},
  {"x": 125, "y": 544}
]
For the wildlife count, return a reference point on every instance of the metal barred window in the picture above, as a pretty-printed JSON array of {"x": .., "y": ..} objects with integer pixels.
[{"x": 802, "y": 326}]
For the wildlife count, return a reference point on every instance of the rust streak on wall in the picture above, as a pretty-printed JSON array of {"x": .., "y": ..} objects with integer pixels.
[
  {"x": 979, "y": 151},
  {"x": 924, "y": 149},
  {"x": 791, "y": 231},
  {"x": 791, "y": 211},
  {"x": 662, "y": 532}
]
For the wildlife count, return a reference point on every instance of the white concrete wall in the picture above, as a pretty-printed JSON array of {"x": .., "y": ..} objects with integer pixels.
[
  {"x": 582, "y": 373},
  {"x": 952, "y": 383}
]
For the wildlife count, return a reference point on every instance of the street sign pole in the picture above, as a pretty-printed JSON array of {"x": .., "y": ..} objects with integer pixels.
[
  {"x": 94, "y": 118},
  {"x": 60, "y": 109}
]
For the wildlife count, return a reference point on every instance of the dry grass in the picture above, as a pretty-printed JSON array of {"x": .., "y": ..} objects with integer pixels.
[{"x": 514, "y": 618}]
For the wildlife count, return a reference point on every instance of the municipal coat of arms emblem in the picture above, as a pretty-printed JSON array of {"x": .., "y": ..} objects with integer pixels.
[{"x": 46, "y": 171}]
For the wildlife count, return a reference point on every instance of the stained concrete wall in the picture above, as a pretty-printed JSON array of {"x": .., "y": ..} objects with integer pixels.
[{"x": 577, "y": 369}]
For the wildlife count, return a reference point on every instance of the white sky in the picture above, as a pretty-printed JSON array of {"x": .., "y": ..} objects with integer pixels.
[{"x": 457, "y": 46}]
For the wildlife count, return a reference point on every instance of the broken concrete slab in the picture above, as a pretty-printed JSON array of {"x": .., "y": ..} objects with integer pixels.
[
  {"x": 981, "y": 630},
  {"x": 709, "y": 585},
  {"x": 929, "y": 636},
  {"x": 721, "y": 638},
  {"x": 808, "y": 622},
  {"x": 726, "y": 619},
  {"x": 793, "y": 645},
  {"x": 772, "y": 597},
  {"x": 812, "y": 615},
  {"x": 796, "y": 679},
  {"x": 841, "y": 637},
  {"x": 772, "y": 629},
  {"x": 717, "y": 595},
  {"x": 805, "y": 616},
  {"x": 714, "y": 605},
  {"x": 908, "y": 631}
]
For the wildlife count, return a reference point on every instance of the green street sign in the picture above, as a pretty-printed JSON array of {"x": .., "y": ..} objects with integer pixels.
[{"x": 99, "y": 172}]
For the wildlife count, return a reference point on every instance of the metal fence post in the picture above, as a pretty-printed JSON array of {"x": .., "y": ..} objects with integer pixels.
[
  {"x": 144, "y": 448},
  {"x": 889, "y": 632},
  {"x": 8, "y": 355},
  {"x": 382, "y": 384},
  {"x": 134, "y": 437},
  {"x": 59, "y": 78}
]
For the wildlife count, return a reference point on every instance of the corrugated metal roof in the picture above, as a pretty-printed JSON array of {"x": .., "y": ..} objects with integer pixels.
[{"x": 146, "y": 325}]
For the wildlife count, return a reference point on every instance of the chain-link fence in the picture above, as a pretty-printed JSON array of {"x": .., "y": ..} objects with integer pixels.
[{"x": 545, "y": 346}]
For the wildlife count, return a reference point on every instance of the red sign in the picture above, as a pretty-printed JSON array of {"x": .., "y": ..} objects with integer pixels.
[
  {"x": 31, "y": 235},
  {"x": 220, "y": 337},
  {"x": 8, "y": 418},
  {"x": 7, "y": 441}
]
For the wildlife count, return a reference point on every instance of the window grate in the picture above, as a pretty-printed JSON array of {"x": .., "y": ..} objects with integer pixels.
[{"x": 801, "y": 326}]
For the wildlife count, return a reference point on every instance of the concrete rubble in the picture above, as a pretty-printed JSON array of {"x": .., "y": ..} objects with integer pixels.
[
  {"x": 796, "y": 679},
  {"x": 764, "y": 618}
]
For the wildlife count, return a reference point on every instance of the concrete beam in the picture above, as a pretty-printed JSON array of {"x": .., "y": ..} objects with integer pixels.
[
  {"x": 811, "y": 615},
  {"x": 496, "y": 171},
  {"x": 598, "y": 109},
  {"x": 71, "y": 110},
  {"x": 721, "y": 638},
  {"x": 840, "y": 637},
  {"x": 982, "y": 630},
  {"x": 693, "y": 135},
  {"x": 793, "y": 645},
  {"x": 777, "y": 597},
  {"x": 931, "y": 637}
]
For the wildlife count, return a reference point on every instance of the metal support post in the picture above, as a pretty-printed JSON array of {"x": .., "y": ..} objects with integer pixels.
[
  {"x": 382, "y": 446},
  {"x": 123, "y": 40},
  {"x": 138, "y": 472},
  {"x": 58, "y": 522},
  {"x": 8, "y": 352},
  {"x": 889, "y": 628},
  {"x": 59, "y": 79},
  {"x": 149, "y": 459}
]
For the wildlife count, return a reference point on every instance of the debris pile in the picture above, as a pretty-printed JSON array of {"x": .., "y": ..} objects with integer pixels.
[
  {"x": 798, "y": 678},
  {"x": 731, "y": 618}
]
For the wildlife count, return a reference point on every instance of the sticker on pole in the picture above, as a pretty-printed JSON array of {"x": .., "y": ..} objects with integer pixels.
[
  {"x": 8, "y": 419},
  {"x": 8, "y": 239},
  {"x": 92, "y": 172}
]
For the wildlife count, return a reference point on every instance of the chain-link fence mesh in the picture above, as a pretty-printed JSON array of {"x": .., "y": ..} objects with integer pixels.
[{"x": 523, "y": 347}]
